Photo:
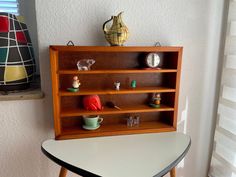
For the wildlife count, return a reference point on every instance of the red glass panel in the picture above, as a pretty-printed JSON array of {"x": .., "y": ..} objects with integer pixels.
[
  {"x": 20, "y": 36},
  {"x": 4, "y": 24}
]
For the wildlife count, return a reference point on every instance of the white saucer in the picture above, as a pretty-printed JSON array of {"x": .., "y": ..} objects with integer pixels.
[{"x": 91, "y": 128}]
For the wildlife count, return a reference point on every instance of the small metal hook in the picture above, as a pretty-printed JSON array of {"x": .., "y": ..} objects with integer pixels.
[
  {"x": 70, "y": 43},
  {"x": 158, "y": 44}
]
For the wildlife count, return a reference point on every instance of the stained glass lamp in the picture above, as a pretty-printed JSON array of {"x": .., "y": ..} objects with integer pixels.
[{"x": 17, "y": 63}]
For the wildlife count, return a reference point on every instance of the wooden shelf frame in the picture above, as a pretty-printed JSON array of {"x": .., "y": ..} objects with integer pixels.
[
  {"x": 70, "y": 112},
  {"x": 137, "y": 90},
  {"x": 118, "y": 71},
  {"x": 115, "y": 48},
  {"x": 124, "y": 66},
  {"x": 117, "y": 129}
]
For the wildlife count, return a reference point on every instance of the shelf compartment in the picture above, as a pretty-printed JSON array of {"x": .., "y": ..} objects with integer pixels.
[
  {"x": 106, "y": 81},
  {"x": 125, "y": 101},
  {"x": 107, "y": 60},
  {"x": 116, "y": 129},
  {"x": 128, "y": 109},
  {"x": 121, "y": 91},
  {"x": 120, "y": 71}
]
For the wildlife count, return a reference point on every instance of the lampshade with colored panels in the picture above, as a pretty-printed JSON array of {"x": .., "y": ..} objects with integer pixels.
[{"x": 17, "y": 63}]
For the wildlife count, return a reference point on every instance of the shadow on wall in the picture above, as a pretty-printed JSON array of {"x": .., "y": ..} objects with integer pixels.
[
  {"x": 182, "y": 127},
  {"x": 46, "y": 86}
]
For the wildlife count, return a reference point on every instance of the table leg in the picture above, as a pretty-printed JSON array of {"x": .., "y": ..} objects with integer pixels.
[
  {"x": 63, "y": 172},
  {"x": 172, "y": 172}
]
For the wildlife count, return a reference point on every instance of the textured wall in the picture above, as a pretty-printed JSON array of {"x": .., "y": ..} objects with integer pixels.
[{"x": 193, "y": 24}]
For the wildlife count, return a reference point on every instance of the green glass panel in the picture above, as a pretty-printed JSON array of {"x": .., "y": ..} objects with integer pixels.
[{"x": 3, "y": 54}]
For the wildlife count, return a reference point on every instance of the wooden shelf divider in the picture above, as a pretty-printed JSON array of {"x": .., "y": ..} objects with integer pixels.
[
  {"x": 70, "y": 112},
  {"x": 117, "y": 129},
  {"x": 117, "y": 92},
  {"x": 120, "y": 71}
]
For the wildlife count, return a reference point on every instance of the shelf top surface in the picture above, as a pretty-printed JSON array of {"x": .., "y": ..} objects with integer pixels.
[
  {"x": 67, "y": 112},
  {"x": 116, "y": 48},
  {"x": 131, "y": 155},
  {"x": 74, "y": 132},
  {"x": 115, "y": 92},
  {"x": 117, "y": 71}
]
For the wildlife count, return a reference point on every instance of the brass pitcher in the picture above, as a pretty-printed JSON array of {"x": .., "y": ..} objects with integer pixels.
[{"x": 118, "y": 33}]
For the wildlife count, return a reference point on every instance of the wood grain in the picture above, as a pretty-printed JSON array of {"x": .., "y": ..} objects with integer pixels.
[
  {"x": 172, "y": 173},
  {"x": 122, "y": 64},
  {"x": 117, "y": 92},
  {"x": 117, "y": 71},
  {"x": 55, "y": 90},
  {"x": 63, "y": 172},
  {"x": 115, "y": 48},
  {"x": 128, "y": 109},
  {"x": 116, "y": 129}
]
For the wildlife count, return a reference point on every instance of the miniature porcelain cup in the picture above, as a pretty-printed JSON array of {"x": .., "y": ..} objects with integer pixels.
[{"x": 92, "y": 121}]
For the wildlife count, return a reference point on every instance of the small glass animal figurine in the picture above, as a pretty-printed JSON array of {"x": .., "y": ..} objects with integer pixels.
[
  {"x": 130, "y": 121},
  {"x": 136, "y": 120},
  {"x": 117, "y": 85},
  {"x": 133, "y": 121},
  {"x": 85, "y": 64}
]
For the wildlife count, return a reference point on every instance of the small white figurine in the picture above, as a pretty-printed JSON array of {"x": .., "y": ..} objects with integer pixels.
[
  {"x": 76, "y": 82},
  {"x": 117, "y": 85}
]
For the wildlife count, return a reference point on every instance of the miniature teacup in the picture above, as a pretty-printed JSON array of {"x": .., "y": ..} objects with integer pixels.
[{"x": 92, "y": 121}]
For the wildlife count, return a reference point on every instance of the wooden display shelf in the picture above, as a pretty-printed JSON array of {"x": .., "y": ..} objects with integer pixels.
[
  {"x": 118, "y": 71},
  {"x": 122, "y": 64},
  {"x": 69, "y": 112},
  {"x": 117, "y": 92},
  {"x": 115, "y": 129}
]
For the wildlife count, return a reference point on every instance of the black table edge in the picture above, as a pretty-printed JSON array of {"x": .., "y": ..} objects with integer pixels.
[
  {"x": 175, "y": 163},
  {"x": 69, "y": 167}
]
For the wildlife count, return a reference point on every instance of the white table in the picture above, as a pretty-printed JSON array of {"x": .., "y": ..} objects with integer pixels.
[{"x": 140, "y": 155}]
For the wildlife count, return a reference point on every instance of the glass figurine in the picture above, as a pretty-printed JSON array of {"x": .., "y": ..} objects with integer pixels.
[
  {"x": 133, "y": 84},
  {"x": 85, "y": 64}
]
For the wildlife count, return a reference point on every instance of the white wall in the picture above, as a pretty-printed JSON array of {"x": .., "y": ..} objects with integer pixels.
[{"x": 193, "y": 24}]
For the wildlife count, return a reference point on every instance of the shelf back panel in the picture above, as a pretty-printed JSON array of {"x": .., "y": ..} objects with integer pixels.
[
  {"x": 120, "y": 60},
  {"x": 106, "y": 81}
]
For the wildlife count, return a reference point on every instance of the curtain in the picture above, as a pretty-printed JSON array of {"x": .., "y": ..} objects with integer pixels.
[
  {"x": 10, "y": 6},
  {"x": 223, "y": 161}
]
